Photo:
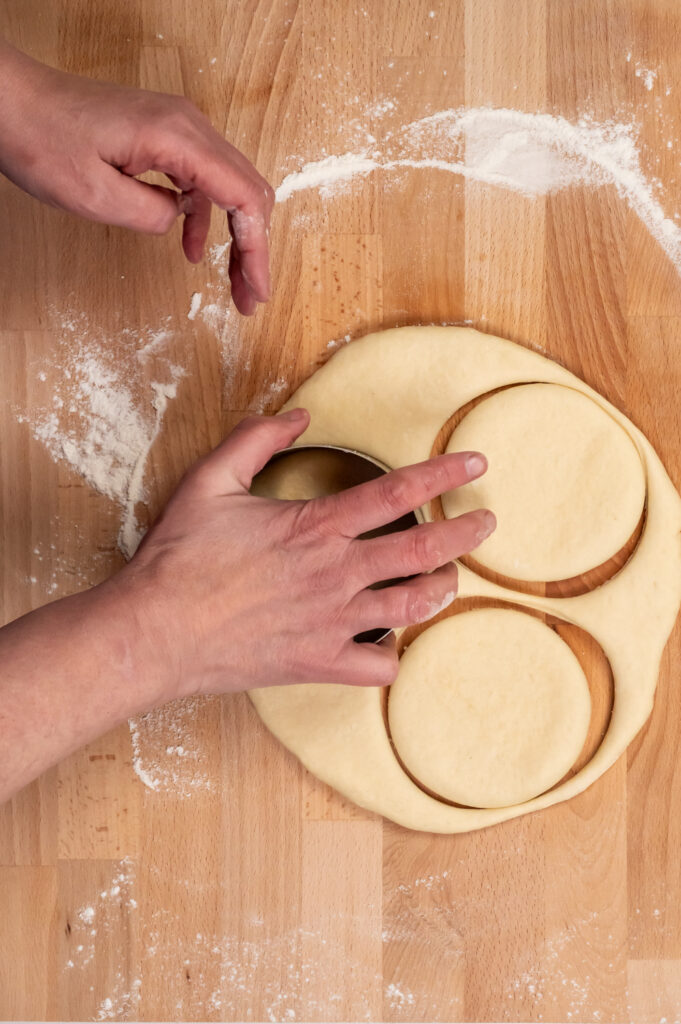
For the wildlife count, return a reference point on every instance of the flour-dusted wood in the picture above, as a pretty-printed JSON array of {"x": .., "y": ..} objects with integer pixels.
[{"x": 262, "y": 894}]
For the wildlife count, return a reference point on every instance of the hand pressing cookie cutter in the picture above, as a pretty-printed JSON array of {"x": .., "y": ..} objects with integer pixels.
[{"x": 317, "y": 470}]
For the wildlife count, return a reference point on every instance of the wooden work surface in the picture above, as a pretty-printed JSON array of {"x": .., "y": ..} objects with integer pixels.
[{"x": 240, "y": 888}]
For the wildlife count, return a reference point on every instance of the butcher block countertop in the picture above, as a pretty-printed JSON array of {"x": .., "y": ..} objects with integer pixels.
[{"x": 187, "y": 867}]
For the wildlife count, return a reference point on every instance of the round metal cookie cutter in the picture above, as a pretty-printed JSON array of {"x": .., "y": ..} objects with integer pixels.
[{"x": 318, "y": 470}]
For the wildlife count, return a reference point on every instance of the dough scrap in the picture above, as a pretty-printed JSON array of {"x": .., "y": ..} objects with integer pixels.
[
  {"x": 389, "y": 395},
  {"x": 566, "y": 483},
  {"x": 490, "y": 708}
]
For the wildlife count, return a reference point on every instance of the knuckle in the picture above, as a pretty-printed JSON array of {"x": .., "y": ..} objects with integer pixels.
[
  {"x": 396, "y": 492},
  {"x": 158, "y": 222},
  {"x": 181, "y": 111},
  {"x": 423, "y": 552},
  {"x": 317, "y": 520},
  {"x": 179, "y": 118},
  {"x": 304, "y": 521}
]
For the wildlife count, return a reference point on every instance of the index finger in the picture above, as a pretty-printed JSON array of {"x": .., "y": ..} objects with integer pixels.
[{"x": 382, "y": 501}]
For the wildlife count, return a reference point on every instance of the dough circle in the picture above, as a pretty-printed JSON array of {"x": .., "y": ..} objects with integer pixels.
[
  {"x": 388, "y": 395},
  {"x": 565, "y": 481},
  {"x": 490, "y": 708}
]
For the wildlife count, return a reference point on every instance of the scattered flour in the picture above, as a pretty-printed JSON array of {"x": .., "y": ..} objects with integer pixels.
[
  {"x": 430, "y": 880},
  {"x": 167, "y": 755},
  {"x": 295, "y": 975},
  {"x": 534, "y": 154},
  {"x": 154, "y": 342},
  {"x": 398, "y": 998},
  {"x": 99, "y": 916},
  {"x": 215, "y": 316},
  {"x": 647, "y": 75},
  {"x": 59, "y": 573},
  {"x": 102, "y": 424},
  {"x": 105, "y": 911},
  {"x": 271, "y": 391}
]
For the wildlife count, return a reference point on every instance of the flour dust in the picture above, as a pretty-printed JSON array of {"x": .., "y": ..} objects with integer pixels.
[
  {"x": 101, "y": 420},
  {"x": 531, "y": 153},
  {"x": 167, "y": 752}
]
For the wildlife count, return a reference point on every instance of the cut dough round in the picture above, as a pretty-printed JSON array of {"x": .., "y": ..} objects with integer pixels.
[
  {"x": 565, "y": 482},
  {"x": 490, "y": 708}
]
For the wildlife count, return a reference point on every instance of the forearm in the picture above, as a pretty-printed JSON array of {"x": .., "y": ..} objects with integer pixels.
[
  {"x": 17, "y": 72},
  {"x": 22, "y": 83},
  {"x": 68, "y": 673}
]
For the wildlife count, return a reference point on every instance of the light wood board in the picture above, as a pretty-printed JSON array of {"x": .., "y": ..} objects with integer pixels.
[{"x": 243, "y": 889}]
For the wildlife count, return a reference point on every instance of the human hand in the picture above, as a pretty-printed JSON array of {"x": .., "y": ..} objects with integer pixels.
[
  {"x": 235, "y": 591},
  {"x": 78, "y": 144}
]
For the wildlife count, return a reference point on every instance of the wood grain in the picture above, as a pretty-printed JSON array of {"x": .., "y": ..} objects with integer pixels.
[{"x": 241, "y": 888}]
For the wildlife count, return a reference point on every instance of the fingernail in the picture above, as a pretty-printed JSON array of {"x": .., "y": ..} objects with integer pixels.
[
  {"x": 293, "y": 415},
  {"x": 476, "y": 464},
  {"x": 488, "y": 524}
]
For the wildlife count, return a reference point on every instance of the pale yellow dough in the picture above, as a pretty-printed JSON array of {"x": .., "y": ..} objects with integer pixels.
[
  {"x": 565, "y": 481},
  {"x": 490, "y": 708},
  {"x": 388, "y": 395}
]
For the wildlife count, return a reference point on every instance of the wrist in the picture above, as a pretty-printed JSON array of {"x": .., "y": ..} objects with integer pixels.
[
  {"x": 147, "y": 652},
  {"x": 122, "y": 626}
]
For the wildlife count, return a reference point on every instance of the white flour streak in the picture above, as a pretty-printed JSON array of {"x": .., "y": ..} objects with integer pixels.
[
  {"x": 324, "y": 174},
  {"x": 194, "y": 305},
  {"x": 533, "y": 154}
]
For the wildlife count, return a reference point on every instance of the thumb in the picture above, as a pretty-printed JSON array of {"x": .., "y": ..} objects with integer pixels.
[{"x": 253, "y": 443}]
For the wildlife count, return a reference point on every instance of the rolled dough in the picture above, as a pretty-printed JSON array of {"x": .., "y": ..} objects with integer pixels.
[
  {"x": 388, "y": 395},
  {"x": 565, "y": 482},
  {"x": 490, "y": 708}
]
